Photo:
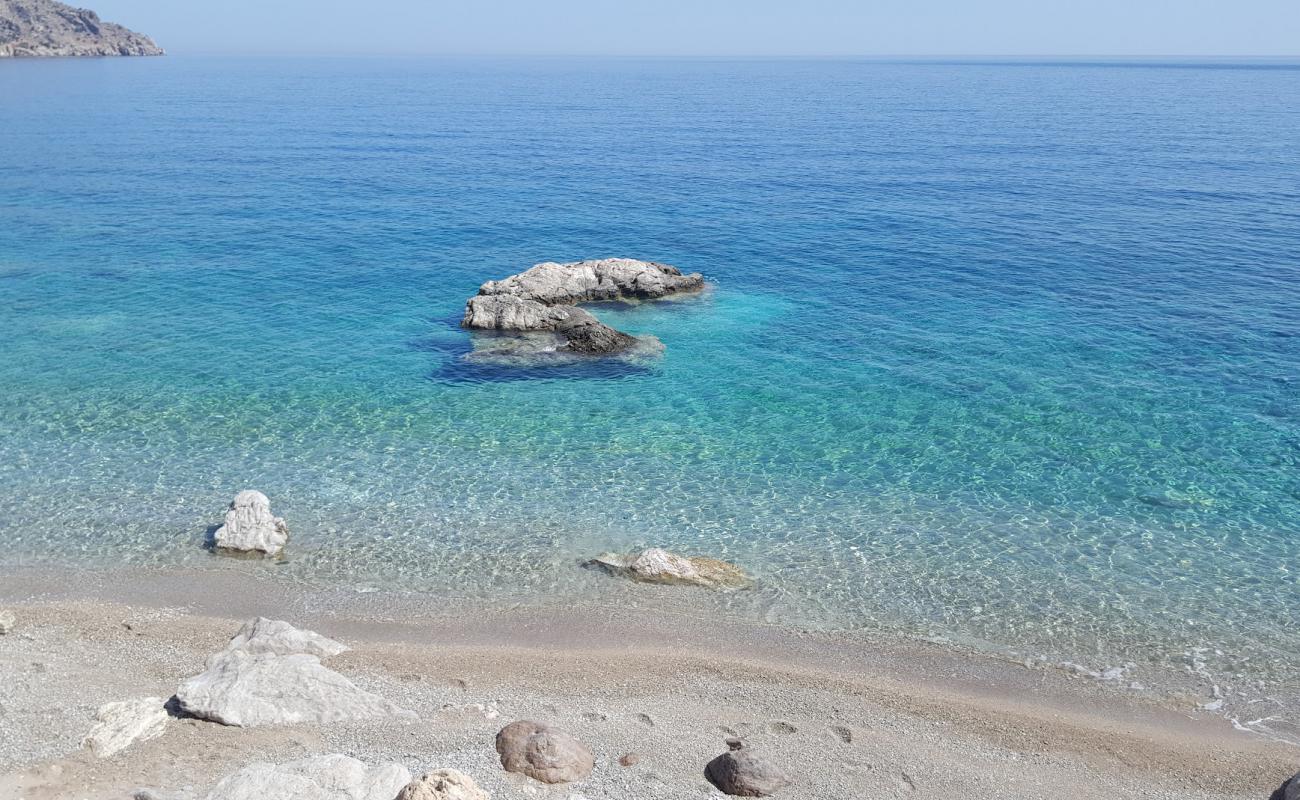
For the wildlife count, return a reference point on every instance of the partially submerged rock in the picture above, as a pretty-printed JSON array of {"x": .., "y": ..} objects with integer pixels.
[
  {"x": 544, "y": 299},
  {"x": 271, "y": 674},
  {"x": 121, "y": 724},
  {"x": 331, "y": 777},
  {"x": 443, "y": 784},
  {"x": 657, "y": 565},
  {"x": 543, "y": 753},
  {"x": 741, "y": 773},
  {"x": 250, "y": 527}
]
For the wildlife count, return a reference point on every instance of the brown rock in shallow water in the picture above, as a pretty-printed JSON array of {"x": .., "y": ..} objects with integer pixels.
[
  {"x": 543, "y": 753},
  {"x": 740, "y": 773},
  {"x": 657, "y": 565}
]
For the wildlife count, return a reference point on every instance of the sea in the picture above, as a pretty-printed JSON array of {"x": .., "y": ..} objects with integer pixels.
[{"x": 1002, "y": 353}]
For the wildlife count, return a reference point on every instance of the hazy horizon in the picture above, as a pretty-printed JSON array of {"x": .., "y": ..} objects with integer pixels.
[{"x": 724, "y": 28}]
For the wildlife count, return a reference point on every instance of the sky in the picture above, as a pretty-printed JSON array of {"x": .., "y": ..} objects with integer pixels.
[{"x": 717, "y": 27}]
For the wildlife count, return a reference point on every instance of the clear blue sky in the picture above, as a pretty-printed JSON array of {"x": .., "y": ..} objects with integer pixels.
[{"x": 718, "y": 27}]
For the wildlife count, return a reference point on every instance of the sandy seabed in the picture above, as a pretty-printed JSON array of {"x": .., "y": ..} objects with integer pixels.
[{"x": 845, "y": 716}]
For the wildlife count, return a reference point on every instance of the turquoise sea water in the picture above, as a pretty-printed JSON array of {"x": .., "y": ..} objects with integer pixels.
[{"x": 1000, "y": 352}]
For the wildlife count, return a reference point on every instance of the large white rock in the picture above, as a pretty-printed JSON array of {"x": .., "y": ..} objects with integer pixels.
[
  {"x": 332, "y": 777},
  {"x": 251, "y": 527},
  {"x": 597, "y": 280},
  {"x": 544, "y": 299},
  {"x": 271, "y": 674},
  {"x": 123, "y": 723}
]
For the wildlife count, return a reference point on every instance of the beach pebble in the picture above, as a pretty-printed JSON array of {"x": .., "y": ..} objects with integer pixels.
[
  {"x": 741, "y": 773},
  {"x": 543, "y": 753},
  {"x": 120, "y": 724},
  {"x": 443, "y": 784},
  {"x": 656, "y": 565},
  {"x": 271, "y": 674},
  {"x": 331, "y": 777},
  {"x": 629, "y": 759},
  {"x": 250, "y": 527},
  {"x": 7, "y": 622}
]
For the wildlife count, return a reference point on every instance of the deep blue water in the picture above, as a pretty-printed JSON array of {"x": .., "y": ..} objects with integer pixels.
[{"x": 1005, "y": 353}]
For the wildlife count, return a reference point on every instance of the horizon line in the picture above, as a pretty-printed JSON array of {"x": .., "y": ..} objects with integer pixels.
[{"x": 774, "y": 56}]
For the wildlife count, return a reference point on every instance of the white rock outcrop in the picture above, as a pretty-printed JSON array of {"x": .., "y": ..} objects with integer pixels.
[
  {"x": 251, "y": 527},
  {"x": 123, "y": 723},
  {"x": 331, "y": 777},
  {"x": 544, "y": 299},
  {"x": 271, "y": 674}
]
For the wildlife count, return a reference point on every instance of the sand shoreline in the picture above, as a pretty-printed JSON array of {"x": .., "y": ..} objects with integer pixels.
[{"x": 847, "y": 715}]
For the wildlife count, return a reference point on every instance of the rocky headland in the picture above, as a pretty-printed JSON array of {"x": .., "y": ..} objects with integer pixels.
[
  {"x": 36, "y": 28},
  {"x": 541, "y": 304}
]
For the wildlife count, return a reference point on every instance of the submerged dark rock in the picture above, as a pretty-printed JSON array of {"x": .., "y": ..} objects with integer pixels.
[
  {"x": 34, "y": 28},
  {"x": 543, "y": 300}
]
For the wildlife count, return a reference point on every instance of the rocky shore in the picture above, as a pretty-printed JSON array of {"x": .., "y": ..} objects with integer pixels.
[
  {"x": 170, "y": 685},
  {"x": 45, "y": 28}
]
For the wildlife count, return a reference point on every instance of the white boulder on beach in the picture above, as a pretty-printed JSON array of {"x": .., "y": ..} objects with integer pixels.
[
  {"x": 123, "y": 723},
  {"x": 330, "y": 777},
  {"x": 250, "y": 527},
  {"x": 271, "y": 674}
]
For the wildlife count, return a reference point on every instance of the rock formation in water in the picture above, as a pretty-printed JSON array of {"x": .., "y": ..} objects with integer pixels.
[
  {"x": 48, "y": 28},
  {"x": 544, "y": 300},
  {"x": 250, "y": 527},
  {"x": 656, "y": 565}
]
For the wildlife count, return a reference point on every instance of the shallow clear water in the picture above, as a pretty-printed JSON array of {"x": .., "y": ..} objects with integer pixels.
[{"x": 1006, "y": 353}]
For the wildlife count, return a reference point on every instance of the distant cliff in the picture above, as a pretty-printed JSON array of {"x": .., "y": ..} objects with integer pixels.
[{"x": 47, "y": 28}]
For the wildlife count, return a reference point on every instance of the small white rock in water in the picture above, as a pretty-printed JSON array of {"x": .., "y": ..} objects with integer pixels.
[
  {"x": 251, "y": 527},
  {"x": 121, "y": 724},
  {"x": 543, "y": 753},
  {"x": 7, "y": 622},
  {"x": 443, "y": 784},
  {"x": 332, "y": 777},
  {"x": 657, "y": 565},
  {"x": 271, "y": 674}
]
